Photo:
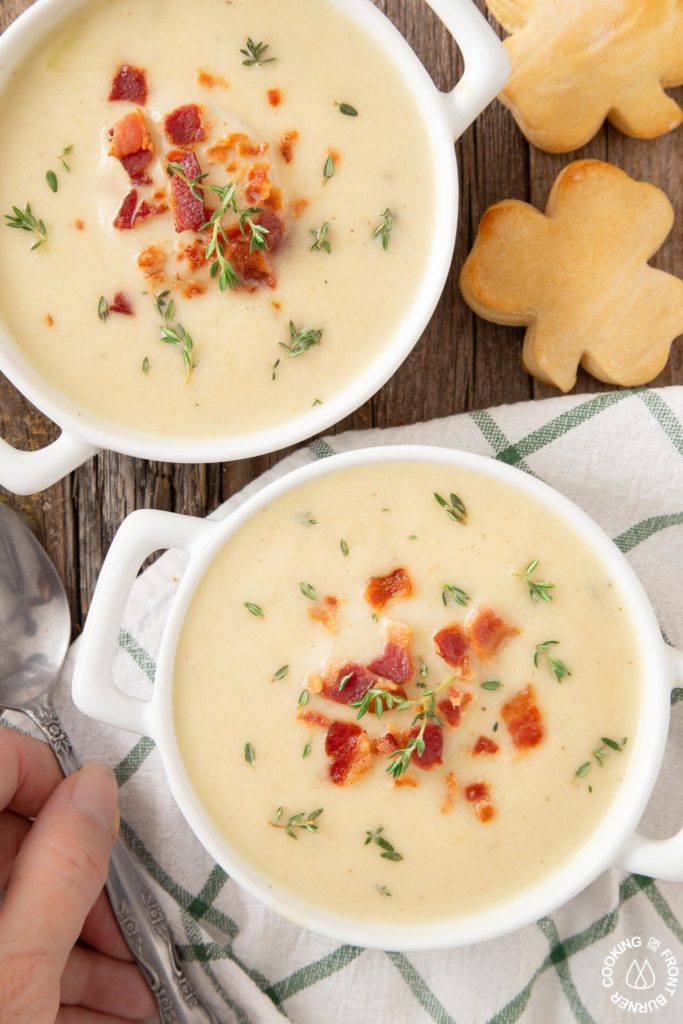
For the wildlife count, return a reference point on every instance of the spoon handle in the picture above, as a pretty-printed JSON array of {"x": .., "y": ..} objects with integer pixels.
[{"x": 140, "y": 917}]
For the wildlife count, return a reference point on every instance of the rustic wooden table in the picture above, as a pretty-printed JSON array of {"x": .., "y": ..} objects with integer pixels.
[{"x": 460, "y": 363}]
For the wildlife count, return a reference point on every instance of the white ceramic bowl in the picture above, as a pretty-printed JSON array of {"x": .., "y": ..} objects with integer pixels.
[
  {"x": 445, "y": 115},
  {"x": 614, "y": 844}
]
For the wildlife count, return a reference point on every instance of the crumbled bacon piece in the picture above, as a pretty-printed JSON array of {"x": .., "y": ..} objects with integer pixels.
[
  {"x": 298, "y": 206},
  {"x": 79, "y": 224},
  {"x": 325, "y": 612},
  {"x": 452, "y": 645},
  {"x": 486, "y": 631},
  {"x": 136, "y": 164},
  {"x": 193, "y": 288},
  {"x": 433, "y": 751},
  {"x": 253, "y": 268},
  {"x": 312, "y": 717},
  {"x": 485, "y": 745},
  {"x": 218, "y": 152},
  {"x": 479, "y": 795},
  {"x": 451, "y": 793},
  {"x": 275, "y": 97},
  {"x": 348, "y": 747},
  {"x": 207, "y": 79},
  {"x": 194, "y": 253},
  {"x": 152, "y": 262},
  {"x": 121, "y": 304},
  {"x": 396, "y": 660},
  {"x": 188, "y": 211},
  {"x": 380, "y": 590},
  {"x": 183, "y": 126},
  {"x": 248, "y": 147},
  {"x": 405, "y": 780},
  {"x": 257, "y": 186},
  {"x": 49, "y": 319},
  {"x": 130, "y": 135},
  {"x": 286, "y": 144},
  {"x": 451, "y": 707},
  {"x": 132, "y": 211},
  {"x": 386, "y": 744},
  {"x": 523, "y": 719},
  {"x": 356, "y": 685},
  {"x": 130, "y": 83}
]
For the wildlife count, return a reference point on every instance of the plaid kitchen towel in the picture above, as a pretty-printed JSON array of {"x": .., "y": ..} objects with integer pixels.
[{"x": 620, "y": 457}]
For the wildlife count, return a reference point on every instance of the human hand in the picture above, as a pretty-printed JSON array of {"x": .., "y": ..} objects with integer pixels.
[{"x": 62, "y": 956}]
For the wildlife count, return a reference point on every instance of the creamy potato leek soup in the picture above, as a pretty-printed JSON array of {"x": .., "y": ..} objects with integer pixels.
[
  {"x": 227, "y": 208},
  {"x": 405, "y": 690}
]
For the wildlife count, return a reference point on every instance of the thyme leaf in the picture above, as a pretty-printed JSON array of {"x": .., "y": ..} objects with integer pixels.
[
  {"x": 454, "y": 508},
  {"x": 253, "y": 52},
  {"x": 344, "y": 548},
  {"x": 102, "y": 308},
  {"x": 328, "y": 169},
  {"x": 308, "y": 591},
  {"x": 303, "y": 821},
  {"x": 51, "y": 179},
  {"x": 67, "y": 151},
  {"x": 539, "y": 590},
  {"x": 25, "y": 220},
  {"x": 249, "y": 754},
  {"x": 383, "y": 230},
  {"x": 375, "y": 836},
  {"x": 300, "y": 341},
  {"x": 254, "y": 609},
  {"x": 179, "y": 336},
  {"x": 281, "y": 672},
  {"x": 557, "y": 666},
  {"x": 455, "y": 594},
  {"x": 320, "y": 238},
  {"x": 346, "y": 108}
]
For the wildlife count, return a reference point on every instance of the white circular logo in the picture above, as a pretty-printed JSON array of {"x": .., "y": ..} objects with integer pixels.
[{"x": 642, "y": 976}]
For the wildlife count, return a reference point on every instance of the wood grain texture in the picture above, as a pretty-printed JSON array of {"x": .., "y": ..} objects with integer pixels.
[{"x": 460, "y": 363}]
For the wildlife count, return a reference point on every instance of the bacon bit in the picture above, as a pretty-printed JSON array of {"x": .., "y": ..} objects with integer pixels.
[
  {"x": 257, "y": 187},
  {"x": 452, "y": 706},
  {"x": 451, "y": 793},
  {"x": 452, "y": 645},
  {"x": 358, "y": 684},
  {"x": 523, "y": 719},
  {"x": 286, "y": 144},
  {"x": 79, "y": 224},
  {"x": 247, "y": 147},
  {"x": 274, "y": 97},
  {"x": 130, "y": 83},
  {"x": 405, "y": 780},
  {"x": 152, "y": 262},
  {"x": 325, "y": 612},
  {"x": 193, "y": 288},
  {"x": 188, "y": 211},
  {"x": 487, "y": 631},
  {"x": 380, "y": 590},
  {"x": 335, "y": 154},
  {"x": 130, "y": 213},
  {"x": 49, "y": 319},
  {"x": 299, "y": 205},
  {"x": 274, "y": 201},
  {"x": 349, "y": 748},
  {"x": 130, "y": 135},
  {"x": 194, "y": 253},
  {"x": 253, "y": 268},
  {"x": 311, "y": 717},
  {"x": 478, "y": 794},
  {"x": 218, "y": 152},
  {"x": 210, "y": 81},
  {"x": 159, "y": 194},
  {"x": 136, "y": 165},
  {"x": 121, "y": 304},
  {"x": 396, "y": 660},
  {"x": 275, "y": 304},
  {"x": 485, "y": 745},
  {"x": 433, "y": 751},
  {"x": 183, "y": 126},
  {"x": 386, "y": 744}
]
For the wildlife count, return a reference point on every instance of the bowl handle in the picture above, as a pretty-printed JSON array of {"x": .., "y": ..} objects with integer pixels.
[
  {"x": 93, "y": 688},
  {"x": 487, "y": 65},
  {"x": 658, "y": 858},
  {"x": 25, "y": 472}
]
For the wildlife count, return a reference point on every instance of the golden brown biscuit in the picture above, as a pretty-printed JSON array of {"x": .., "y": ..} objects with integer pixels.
[
  {"x": 578, "y": 276},
  {"x": 577, "y": 63}
]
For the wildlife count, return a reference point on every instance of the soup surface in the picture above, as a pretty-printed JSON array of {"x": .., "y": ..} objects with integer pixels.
[
  {"x": 482, "y": 628},
  {"x": 326, "y": 233}
]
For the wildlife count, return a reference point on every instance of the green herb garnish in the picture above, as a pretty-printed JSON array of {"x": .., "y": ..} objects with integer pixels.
[
  {"x": 382, "y": 890},
  {"x": 179, "y": 336},
  {"x": 249, "y": 754},
  {"x": 346, "y": 108},
  {"x": 102, "y": 308},
  {"x": 328, "y": 169},
  {"x": 253, "y": 52},
  {"x": 538, "y": 589},
  {"x": 301, "y": 341},
  {"x": 320, "y": 238},
  {"x": 67, "y": 151},
  {"x": 455, "y": 594},
  {"x": 163, "y": 306},
  {"x": 302, "y": 820},
  {"x": 145, "y": 365},
  {"x": 25, "y": 220},
  {"x": 307, "y": 750},
  {"x": 388, "y": 852},
  {"x": 254, "y": 609},
  {"x": 303, "y": 698},
  {"x": 422, "y": 669},
  {"x": 491, "y": 684},
  {"x": 383, "y": 230},
  {"x": 308, "y": 591},
  {"x": 599, "y": 754},
  {"x": 344, "y": 548},
  {"x": 281, "y": 672},
  {"x": 557, "y": 667},
  {"x": 51, "y": 179},
  {"x": 455, "y": 510}
]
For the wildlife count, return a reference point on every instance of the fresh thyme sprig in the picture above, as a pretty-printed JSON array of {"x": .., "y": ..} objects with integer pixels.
[
  {"x": 599, "y": 754},
  {"x": 455, "y": 594},
  {"x": 538, "y": 589},
  {"x": 384, "y": 229},
  {"x": 455, "y": 510},
  {"x": 375, "y": 836},
  {"x": 301, "y": 341},
  {"x": 320, "y": 238},
  {"x": 253, "y": 52},
  {"x": 302, "y": 820},
  {"x": 179, "y": 336},
  {"x": 557, "y": 666},
  {"x": 25, "y": 220}
]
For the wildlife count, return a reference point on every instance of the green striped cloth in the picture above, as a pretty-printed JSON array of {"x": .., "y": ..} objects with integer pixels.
[{"x": 619, "y": 456}]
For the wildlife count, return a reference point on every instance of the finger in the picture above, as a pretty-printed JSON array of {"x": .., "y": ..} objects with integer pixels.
[
  {"x": 76, "y": 1015},
  {"x": 97, "y": 982},
  {"x": 102, "y": 932},
  {"x": 13, "y": 830},
  {"x": 29, "y": 772},
  {"x": 60, "y": 870}
]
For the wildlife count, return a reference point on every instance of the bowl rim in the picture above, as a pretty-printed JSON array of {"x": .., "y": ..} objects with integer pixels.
[
  {"x": 599, "y": 852},
  {"x": 26, "y": 33}
]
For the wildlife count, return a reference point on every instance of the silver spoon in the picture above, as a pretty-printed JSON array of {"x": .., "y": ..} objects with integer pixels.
[{"x": 35, "y": 628}]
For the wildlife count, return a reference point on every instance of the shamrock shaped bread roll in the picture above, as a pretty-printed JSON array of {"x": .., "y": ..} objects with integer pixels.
[
  {"x": 577, "y": 62},
  {"x": 578, "y": 276}
]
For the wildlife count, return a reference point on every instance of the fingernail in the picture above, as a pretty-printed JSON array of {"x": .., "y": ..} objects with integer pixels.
[{"x": 96, "y": 794}]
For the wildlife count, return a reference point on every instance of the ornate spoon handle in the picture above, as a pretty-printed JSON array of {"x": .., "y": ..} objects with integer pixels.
[{"x": 142, "y": 920}]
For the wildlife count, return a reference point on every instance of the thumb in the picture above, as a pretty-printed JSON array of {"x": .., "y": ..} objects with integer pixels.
[{"x": 61, "y": 868}]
